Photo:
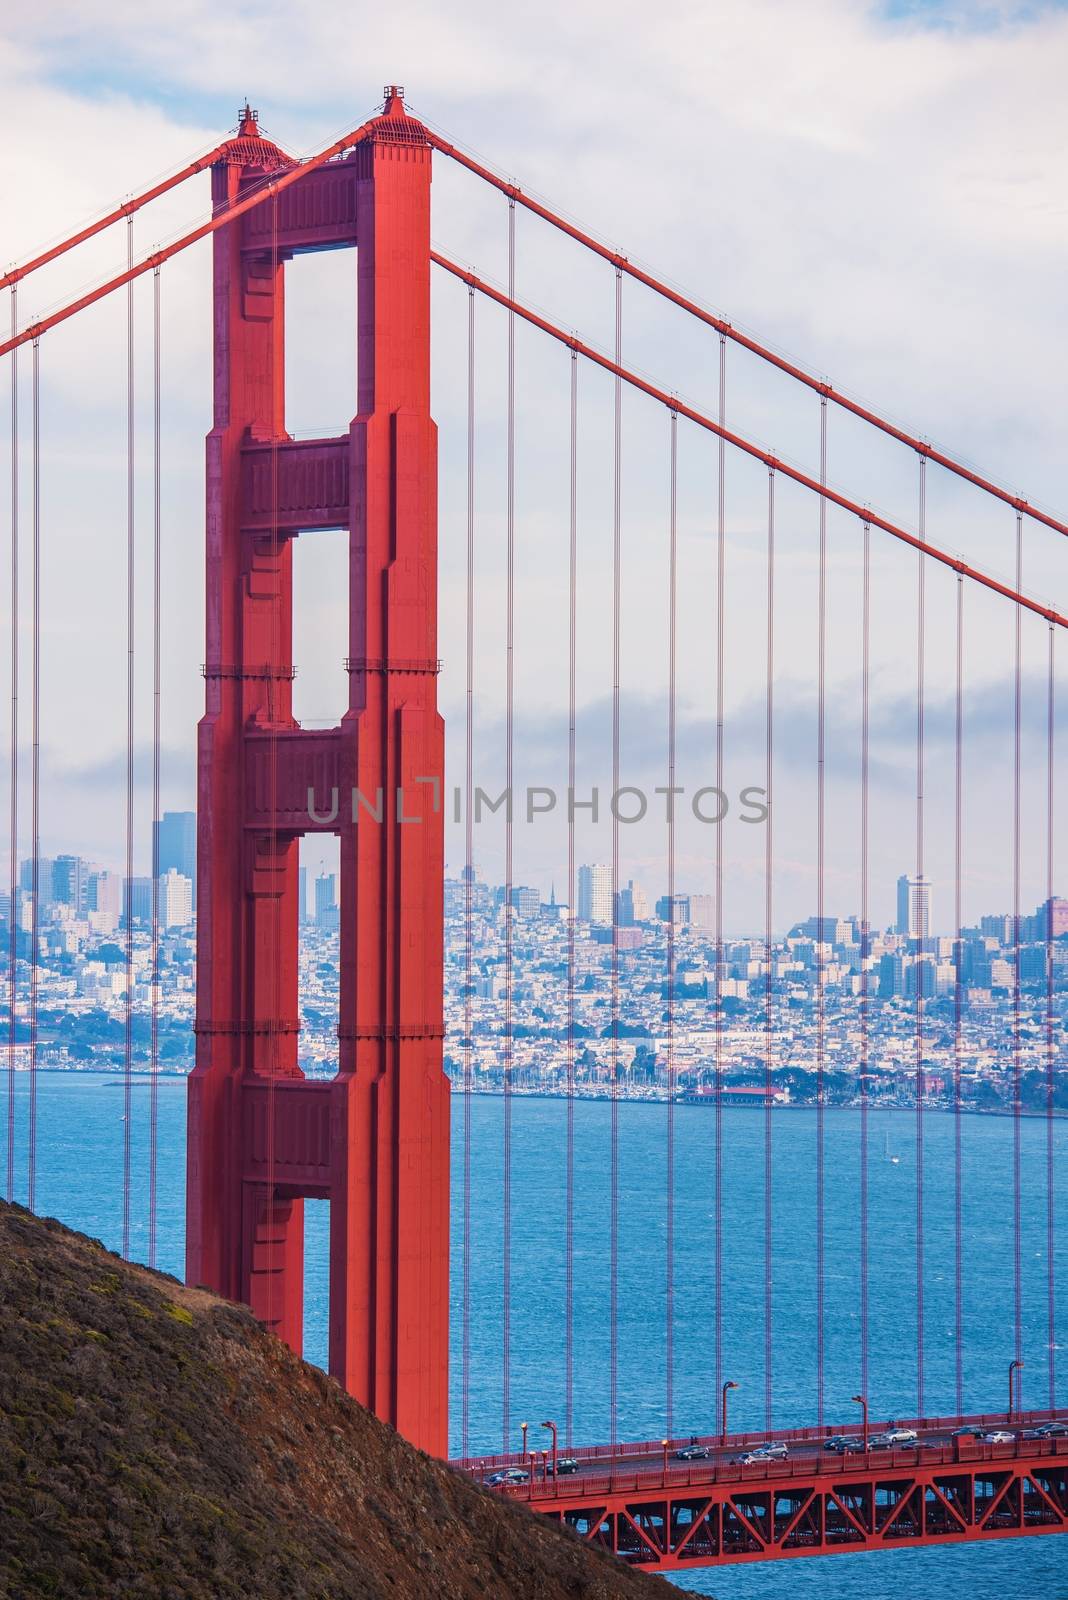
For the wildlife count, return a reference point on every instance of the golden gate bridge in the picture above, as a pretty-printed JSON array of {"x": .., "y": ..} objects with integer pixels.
[{"x": 374, "y": 1139}]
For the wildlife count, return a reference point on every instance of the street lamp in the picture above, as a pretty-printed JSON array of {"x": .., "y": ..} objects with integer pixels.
[
  {"x": 1014, "y": 1367},
  {"x": 730, "y": 1384},
  {"x": 552, "y": 1427},
  {"x": 664, "y": 1447},
  {"x": 523, "y": 1426},
  {"x": 859, "y": 1399}
]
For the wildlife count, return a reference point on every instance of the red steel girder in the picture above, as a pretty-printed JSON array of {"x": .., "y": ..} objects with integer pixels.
[{"x": 714, "y": 1499}]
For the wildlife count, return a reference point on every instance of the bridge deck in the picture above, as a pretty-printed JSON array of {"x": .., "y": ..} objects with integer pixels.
[{"x": 650, "y": 1508}]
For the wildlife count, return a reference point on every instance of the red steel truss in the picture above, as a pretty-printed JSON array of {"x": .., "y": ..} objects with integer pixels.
[
  {"x": 711, "y": 1513},
  {"x": 375, "y": 1140}
]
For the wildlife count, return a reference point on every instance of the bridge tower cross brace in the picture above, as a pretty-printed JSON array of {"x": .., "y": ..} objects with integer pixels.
[{"x": 374, "y": 1140}]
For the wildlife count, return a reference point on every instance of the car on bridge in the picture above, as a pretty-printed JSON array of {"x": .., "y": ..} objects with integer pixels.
[
  {"x": 507, "y": 1476},
  {"x": 970, "y": 1431},
  {"x": 1046, "y": 1430},
  {"x": 564, "y": 1464},
  {"x": 760, "y": 1453},
  {"x": 843, "y": 1444},
  {"x": 893, "y": 1439},
  {"x": 998, "y": 1436},
  {"x": 693, "y": 1452}
]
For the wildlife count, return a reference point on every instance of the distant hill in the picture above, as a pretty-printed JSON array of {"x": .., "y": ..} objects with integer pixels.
[{"x": 157, "y": 1442}]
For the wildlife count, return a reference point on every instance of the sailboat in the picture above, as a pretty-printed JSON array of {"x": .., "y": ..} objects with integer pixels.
[{"x": 893, "y": 1160}]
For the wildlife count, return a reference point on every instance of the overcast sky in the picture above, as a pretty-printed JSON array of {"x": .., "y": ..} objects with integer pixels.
[{"x": 876, "y": 189}]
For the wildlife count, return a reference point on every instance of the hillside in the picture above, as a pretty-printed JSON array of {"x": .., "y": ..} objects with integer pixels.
[{"x": 155, "y": 1441}]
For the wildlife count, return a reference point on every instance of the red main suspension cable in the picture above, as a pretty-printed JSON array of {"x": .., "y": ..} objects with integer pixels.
[
  {"x": 126, "y": 209},
  {"x": 746, "y": 446},
  {"x": 728, "y": 331},
  {"x": 269, "y": 189}
]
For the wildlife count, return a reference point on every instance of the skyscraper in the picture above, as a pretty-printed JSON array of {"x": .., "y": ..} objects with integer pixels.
[
  {"x": 70, "y": 883},
  {"x": 176, "y": 843},
  {"x": 914, "y": 907},
  {"x": 175, "y": 899},
  {"x": 595, "y": 893},
  {"x": 326, "y": 908},
  {"x": 633, "y": 905}
]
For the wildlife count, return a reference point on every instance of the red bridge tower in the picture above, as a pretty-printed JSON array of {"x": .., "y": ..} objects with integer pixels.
[{"x": 374, "y": 1140}]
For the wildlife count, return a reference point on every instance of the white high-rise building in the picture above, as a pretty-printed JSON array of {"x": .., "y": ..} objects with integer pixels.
[
  {"x": 175, "y": 899},
  {"x": 595, "y": 893},
  {"x": 914, "y": 907}
]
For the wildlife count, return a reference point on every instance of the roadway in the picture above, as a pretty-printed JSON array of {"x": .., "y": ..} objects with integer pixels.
[{"x": 804, "y": 1448}]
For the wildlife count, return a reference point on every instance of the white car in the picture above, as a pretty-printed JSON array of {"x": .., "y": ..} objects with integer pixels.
[{"x": 998, "y": 1436}]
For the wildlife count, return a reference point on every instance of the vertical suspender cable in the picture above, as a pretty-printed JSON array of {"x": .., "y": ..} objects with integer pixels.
[
  {"x": 127, "y": 1121},
  {"x": 270, "y": 1217},
  {"x": 13, "y": 858},
  {"x": 506, "y": 1327},
  {"x": 669, "y": 1282},
  {"x": 920, "y": 1078},
  {"x": 613, "y": 1268},
  {"x": 469, "y": 881},
  {"x": 1051, "y": 1047},
  {"x": 153, "y": 1102},
  {"x": 769, "y": 1038},
  {"x": 1017, "y": 1049},
  {"x": 572, "y": 665},
  {"x": 721, "y": 615},
  {"x": 958, "y": 1008},
  {"x": 865, "y": 959},
  {"x": 35, "y": 770},
  {"x": 821, "y": 1008}
]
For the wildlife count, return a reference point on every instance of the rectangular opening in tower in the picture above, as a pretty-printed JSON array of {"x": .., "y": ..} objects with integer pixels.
[
  {"x": 320, "y": 335},
  {"x": 317, "y": 1282},
  {"x": 318, "y": 991},
  {"x": 320, "y": 627}
]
